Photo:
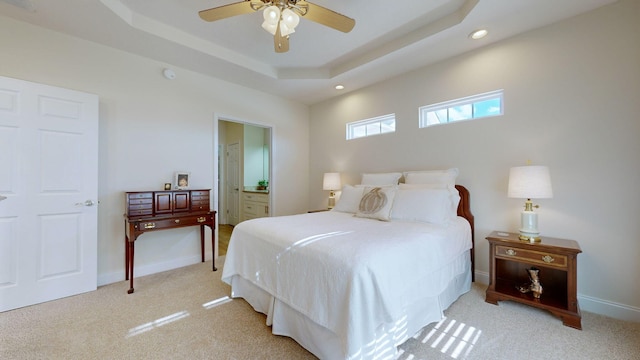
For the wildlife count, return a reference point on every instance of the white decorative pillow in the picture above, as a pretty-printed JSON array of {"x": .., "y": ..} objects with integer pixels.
[
  {"x": 424, "y": 204},
  {"x": 381, "y": 179},
  {"x": 439, "y": 177},
  {"x": 376, "y": 202},
  {"x": 349, "y": 200}
]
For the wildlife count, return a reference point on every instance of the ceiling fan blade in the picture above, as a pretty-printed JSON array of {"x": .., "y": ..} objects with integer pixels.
[
  {"x": 326, "y": 17},
  {"x": 280, "y": 43},
  {"x": 225, "y": 11}
]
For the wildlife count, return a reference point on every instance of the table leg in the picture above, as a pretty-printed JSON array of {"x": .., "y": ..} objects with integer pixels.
[
  {"x": 213, "y": 241},
  {"x": 202, "y": 241},
  {"x": 126, "y": 257},
  {"x": 213, "y": 244},
  {"x": 130, "y": 262}
]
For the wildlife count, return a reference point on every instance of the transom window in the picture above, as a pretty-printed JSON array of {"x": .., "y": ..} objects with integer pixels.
[
  {"x": 468, "y": 108},
  {"x": 369, "y": 127}
]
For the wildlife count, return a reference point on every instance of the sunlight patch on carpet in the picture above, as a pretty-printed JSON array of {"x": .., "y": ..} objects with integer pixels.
[
  {"x": 157, "y": 323},
  {"x": 448, "y": 336},
  {"x": 213, "y": 303}
]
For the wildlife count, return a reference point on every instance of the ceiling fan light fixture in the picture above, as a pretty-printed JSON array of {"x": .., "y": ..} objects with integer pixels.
[
  {"x": 280, "y": 17},
  {"x": 285, "y": 30},
  {"x": 271, "y": 28},
  {"x": 272, "y": 15},
  {"x": 290, "y": 19}
]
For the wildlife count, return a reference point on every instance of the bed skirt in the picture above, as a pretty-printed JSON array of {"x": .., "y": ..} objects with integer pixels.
[{"x": 325, "y": 344}]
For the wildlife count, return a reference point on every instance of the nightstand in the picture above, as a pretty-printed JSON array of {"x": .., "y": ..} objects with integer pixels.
[{"x": 556, "y": 259}]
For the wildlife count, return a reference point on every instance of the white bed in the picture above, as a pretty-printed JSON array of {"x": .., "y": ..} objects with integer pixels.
[{"x": 348, "y": 287}]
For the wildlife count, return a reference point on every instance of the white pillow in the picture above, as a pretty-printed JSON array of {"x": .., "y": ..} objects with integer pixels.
[
  {"x": 424, "y": 204},
  {"x": 349, "y": 200},
  {"x": 439, "y": 177},
  {"x": 381, "y": 179},
  {"x": 376, "y": 202}
]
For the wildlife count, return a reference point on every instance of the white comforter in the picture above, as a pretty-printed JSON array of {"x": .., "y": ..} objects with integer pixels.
[{"x": 348, "y": 274}]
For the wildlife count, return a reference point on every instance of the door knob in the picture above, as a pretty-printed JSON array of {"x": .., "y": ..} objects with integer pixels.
[
  {"x": 87, "y": 203},
  {"x": 2, "y": 197}
]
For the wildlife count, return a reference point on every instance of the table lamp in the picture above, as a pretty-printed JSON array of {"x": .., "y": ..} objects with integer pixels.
[
  {"x": 331, "y": 182},
  {"x": 529, "y": 182}
]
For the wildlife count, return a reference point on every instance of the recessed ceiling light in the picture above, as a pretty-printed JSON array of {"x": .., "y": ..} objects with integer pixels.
[
  {"x": 478, "y": 34},
  {"x": 339, "y": 87},
  {"x": 169, "y": 74}
]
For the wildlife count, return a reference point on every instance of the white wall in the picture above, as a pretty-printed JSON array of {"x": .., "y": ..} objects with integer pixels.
[
  {"x": 571, "y": 102},
  {"x": 151, "y": 127}
]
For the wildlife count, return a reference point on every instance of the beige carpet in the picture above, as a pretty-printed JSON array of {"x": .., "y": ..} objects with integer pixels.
[{"x": 184, "y": 314}]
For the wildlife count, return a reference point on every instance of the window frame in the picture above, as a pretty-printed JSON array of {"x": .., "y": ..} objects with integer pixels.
[
  {"x": 353, "y": 126},
  {"x": 472, "y": 100}
]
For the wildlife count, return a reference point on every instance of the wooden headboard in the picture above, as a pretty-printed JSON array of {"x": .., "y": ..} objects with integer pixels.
[{"x": 464, "y": 210}]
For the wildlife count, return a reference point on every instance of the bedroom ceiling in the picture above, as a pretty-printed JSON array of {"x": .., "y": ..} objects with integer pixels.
[{"x": 389, "y": 38}]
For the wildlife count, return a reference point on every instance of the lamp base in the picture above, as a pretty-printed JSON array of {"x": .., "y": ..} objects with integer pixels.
[
  {"x": 530, "y": 237},
  {"x": 332, "y": 202},
  {"x": 529, "y": 226}
]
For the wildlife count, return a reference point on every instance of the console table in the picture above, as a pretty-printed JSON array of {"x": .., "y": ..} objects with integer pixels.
[{"x": 162, "y": 210}]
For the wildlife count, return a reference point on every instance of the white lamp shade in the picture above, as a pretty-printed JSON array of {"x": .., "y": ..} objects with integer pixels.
[
  {"x": 530, "y": 182},
  {"x": 331, "y": 181}
]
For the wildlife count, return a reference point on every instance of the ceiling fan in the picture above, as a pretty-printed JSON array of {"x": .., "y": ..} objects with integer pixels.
[{"x": 281, "y": 17}]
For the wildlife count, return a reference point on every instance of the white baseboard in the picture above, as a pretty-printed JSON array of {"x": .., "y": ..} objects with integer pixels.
[
  {"x": 609, "y": 308},
  {"x": 482, "y": 277},
  {"x": 590, "y": 304},
  {"x": 104, "y": 279}
]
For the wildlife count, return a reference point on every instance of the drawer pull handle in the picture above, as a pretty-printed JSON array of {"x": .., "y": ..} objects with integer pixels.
[
  {"x": 201, "y": 219},
  {"x": 177, "y": 221},
  {"x": 548, "y": 259},
  {"x": 511, "y": 252},
  {"x": 149, "y": 225}
]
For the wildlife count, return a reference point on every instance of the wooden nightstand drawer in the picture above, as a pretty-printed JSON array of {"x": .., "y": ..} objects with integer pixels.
[{"x": 531, "y": 256}]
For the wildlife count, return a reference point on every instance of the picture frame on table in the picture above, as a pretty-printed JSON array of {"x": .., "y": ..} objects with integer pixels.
[{"x": 181, "y": 180}]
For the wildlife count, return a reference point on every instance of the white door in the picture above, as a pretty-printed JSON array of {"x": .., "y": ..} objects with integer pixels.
[
  {"x": 48, "y": 187},
  {"x": 233, "y": 183}
]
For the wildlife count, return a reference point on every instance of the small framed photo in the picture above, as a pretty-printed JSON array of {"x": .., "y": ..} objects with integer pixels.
[
  {"x": 181, "y": 180},
  {"x": 167, "y": 186}
]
